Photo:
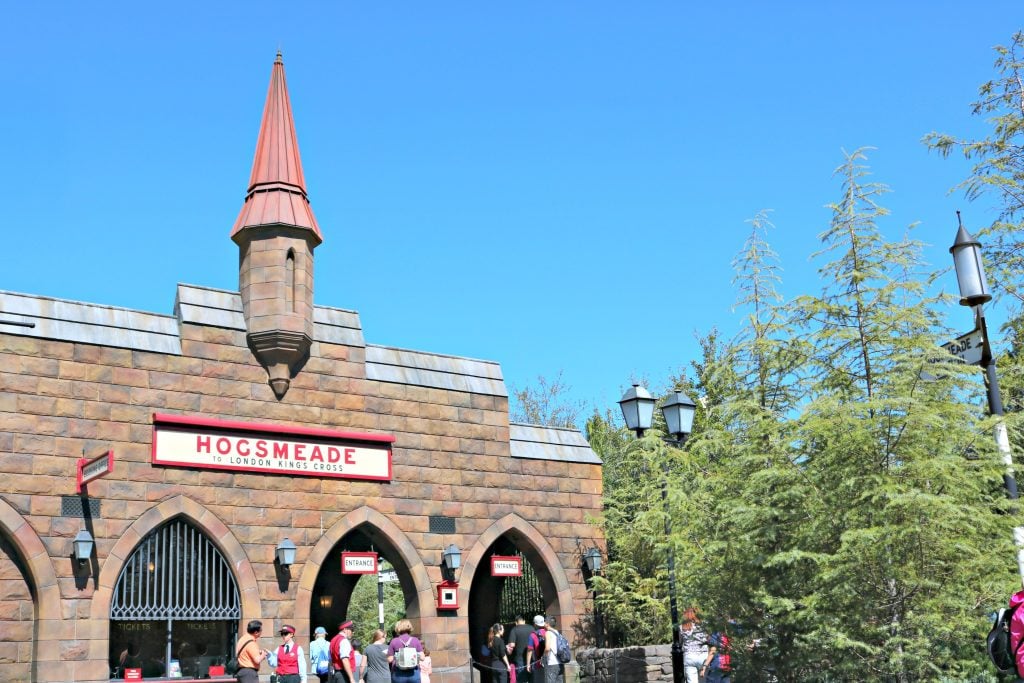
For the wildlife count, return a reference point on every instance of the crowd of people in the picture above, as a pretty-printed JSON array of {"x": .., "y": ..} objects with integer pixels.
[{"x": 527, "y": 657}]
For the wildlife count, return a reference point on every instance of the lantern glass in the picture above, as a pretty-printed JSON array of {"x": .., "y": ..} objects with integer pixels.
[
  {"x": 286, "y": 553},
  {"x": 637, "y": 409},
  {"x": 452, "y": 557},
  {"x": 970, "y": 271},
  {"x": 83, "y": 545},
  {"x": 679, "y": 411},
  {"x": 593, "y": 560}
]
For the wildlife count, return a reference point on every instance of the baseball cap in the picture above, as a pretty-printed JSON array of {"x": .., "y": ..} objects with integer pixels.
[
  {"x": 320, "y": 630},
  {"x": 538, "y": 620},
  {"x": 287, "y": 628}
]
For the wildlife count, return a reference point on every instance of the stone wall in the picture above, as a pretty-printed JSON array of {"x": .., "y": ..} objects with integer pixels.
[
  {"x": 646, "y": 664},
  {"x": 16, "y": 617},
  {"x": 62, "y": 400}
]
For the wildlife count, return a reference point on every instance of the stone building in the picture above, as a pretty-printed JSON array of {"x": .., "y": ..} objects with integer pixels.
[{"x": 192, "y": 448}]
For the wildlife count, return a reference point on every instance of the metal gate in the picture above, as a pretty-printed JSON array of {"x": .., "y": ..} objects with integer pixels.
[
  {"x": 175, "y": 573},
  {"x": 521, "y": 595}
]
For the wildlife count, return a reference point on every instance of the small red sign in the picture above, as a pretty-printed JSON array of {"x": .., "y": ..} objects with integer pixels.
[
  {"x": 506, "y": 565},
  {"x": 447, "y": 595},
  {"x": 358, "y": 563},
  {"x": 93, "y": 468},
  {"x": 133, "y": 674}
]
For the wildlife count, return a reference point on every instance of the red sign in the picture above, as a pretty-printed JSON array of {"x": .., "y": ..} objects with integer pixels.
[
  {"x": 506, "y": 565},
  {"x": 221, "y": 445},
  {"x": 133, "y": 674},
  {"x": 93, "y": 468},
  {"x": 447, "y": 595},
  {"x": 358, "y": 563}
]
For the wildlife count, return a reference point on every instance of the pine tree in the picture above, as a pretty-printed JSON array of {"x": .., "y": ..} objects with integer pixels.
[{"x": 910, "y": 523}]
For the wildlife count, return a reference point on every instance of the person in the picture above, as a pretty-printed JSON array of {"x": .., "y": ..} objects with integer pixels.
[
  {"x": 718, "y": 665},
  {"x": 536, "y": 651},
  {"x": 426, "y": 667},
  {"x": 499, "y": 655},
  {"x": 249, "y": 653},
  {"x": 695, "y": 645},
  {"x": 320, "y": 655},
  {"x": 357, "y": 653},
  {"x": 288, "y": 661},
  {"x": 341, "y": 654},
  {"x": 376, "y": 656},
  {"x": 402, "y": 641},
  {"x": 517, "y": 642}
]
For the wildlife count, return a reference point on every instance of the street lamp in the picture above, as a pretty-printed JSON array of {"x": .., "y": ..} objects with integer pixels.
[
  {"x": 638, "y": 411},
  {"x": 970, "y": 275},
  {"x": 592, "y": 560}
]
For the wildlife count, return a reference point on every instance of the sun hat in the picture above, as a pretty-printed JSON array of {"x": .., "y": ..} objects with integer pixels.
[{"x": 320, "y": 630}]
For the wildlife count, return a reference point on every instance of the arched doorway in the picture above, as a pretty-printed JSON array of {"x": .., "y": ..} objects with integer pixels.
[
  {"x": 332, "y": 596},
  {"x": 175, "y": 607},
  {"x": 498, "y": 599},
  {"x": 17, "y": 614}
]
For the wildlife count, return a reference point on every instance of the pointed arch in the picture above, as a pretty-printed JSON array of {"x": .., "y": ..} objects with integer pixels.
[
  {"x": 208, "y": 523},
  {"x": 42, "y": 580},
  {"x": 363, "y": 517},
  {"x": 528, "y": 539},
  {"x": 37, "y": 561}
]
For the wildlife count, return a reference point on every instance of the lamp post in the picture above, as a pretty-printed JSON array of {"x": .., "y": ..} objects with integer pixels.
[
  {"x": 638, "y": 410},
  {"x": 970, "y": 275},
  {"x": 592, "y": 558}
]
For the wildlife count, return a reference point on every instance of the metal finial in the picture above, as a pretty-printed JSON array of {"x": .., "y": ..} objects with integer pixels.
[
  {"x": 278, "y": 60},
  {"x": 959, "y": 220}
]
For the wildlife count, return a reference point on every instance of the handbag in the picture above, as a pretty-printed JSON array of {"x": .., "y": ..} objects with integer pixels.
[{"x": 232, "y": 666}]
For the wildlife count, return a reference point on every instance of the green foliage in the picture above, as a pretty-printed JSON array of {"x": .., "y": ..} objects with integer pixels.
[
  {"x": 845, "y": 511},
  {"x": 999, "y": 164},
  {"x": 362, "y": 607}
]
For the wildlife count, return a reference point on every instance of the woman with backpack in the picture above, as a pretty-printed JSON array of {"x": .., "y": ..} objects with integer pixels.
[
  {"x": 499, "y": 655},
  {"x": 404, "y": 654}
]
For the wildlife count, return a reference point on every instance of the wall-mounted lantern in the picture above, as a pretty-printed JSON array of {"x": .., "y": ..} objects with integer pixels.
[
  {"x": 286, "y": 553},
  {"x": 83, "y": 545}
]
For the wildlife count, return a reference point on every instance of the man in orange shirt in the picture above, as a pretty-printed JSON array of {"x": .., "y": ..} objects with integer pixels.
[{"x": 250, "y": 656}]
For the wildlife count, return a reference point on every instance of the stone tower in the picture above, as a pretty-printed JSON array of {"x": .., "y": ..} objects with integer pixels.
[{"x": 276, "y": 233}]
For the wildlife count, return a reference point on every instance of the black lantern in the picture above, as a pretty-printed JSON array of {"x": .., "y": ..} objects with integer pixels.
[
  {"x": 678, "y": 411},
  {"x": 637, "y": 409},
  {"x": 593, "y": 560}
]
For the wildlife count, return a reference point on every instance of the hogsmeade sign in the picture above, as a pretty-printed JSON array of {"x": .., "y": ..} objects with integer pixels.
[{"x": 221, "y": 445}]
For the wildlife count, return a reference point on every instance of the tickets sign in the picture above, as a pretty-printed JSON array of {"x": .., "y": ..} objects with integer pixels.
[
  {"x": 506, "y": 565},
  {"x": 269, "y": 449},
  {"x": 358, "y": 563}
]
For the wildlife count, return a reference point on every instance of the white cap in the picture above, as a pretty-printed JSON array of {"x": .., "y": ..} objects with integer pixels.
[{"x": 538, "y": 620}]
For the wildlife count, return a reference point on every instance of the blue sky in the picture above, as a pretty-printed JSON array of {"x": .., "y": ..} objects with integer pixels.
[{"x": 555, "y": 186}]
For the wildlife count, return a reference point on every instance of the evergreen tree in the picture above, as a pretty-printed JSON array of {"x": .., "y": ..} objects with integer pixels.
[{"x": 909, "y": 523}]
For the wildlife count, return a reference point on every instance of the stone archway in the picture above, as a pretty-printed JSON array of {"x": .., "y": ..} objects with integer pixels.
[
  {"x": 411, "y": 571},
  {"x": 208, "y": 523},
  {"x": 482, "y": 593},
  {"x": 24, "y": 561}
]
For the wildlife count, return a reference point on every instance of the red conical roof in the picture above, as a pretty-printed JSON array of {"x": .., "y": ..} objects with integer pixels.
[{"x": 277, "y": 189}]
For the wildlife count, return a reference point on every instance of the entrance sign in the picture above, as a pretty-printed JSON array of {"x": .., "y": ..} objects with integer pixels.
[
  {"x": 968, "y": 347},
  {"x": 271, "y": 449},
  {"x": 506, "y": 565},
  {"x": 93, "y": 468},
  {"x": 358, "y": 563}
]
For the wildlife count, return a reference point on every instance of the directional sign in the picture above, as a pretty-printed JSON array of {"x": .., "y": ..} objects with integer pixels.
[
  {"x": 967, "y": 347},
  {"x": 506, "y": 565},
  {"x": 93, "y": 468}
]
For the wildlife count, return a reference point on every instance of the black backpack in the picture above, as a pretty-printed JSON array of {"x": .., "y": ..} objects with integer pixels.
[
  {"x": 231, "y": 667},
  {"x": 998, "y": 643}
]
